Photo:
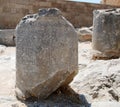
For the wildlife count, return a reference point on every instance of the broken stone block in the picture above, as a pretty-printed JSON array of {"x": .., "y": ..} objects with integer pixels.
[
  {"x": 7, "y": 37},
  {"x": 84, "y": 34},
  {"x": 106, "y": 33},
  {"x": 47, "y": 54}
]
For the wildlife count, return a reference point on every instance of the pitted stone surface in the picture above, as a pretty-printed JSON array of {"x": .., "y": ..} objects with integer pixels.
[
  {"x": 47, "y": 54},
  {"x": 106, "y": 33}
]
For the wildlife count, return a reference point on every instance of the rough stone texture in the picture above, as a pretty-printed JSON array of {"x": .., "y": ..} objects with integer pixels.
[
  {"x": 7, "y": 37},
  {"x": 99, "y": 80},
  {"x": 78, "y": 13},
  {"x": 47, "y": 54},
  {"x": 111, "y": 2},
  {"x": 84, "y": 34},
  {"x": 93, "y": 75},
  {"x": 7, "y": 86},
  {"x": 106, "y": 32}
]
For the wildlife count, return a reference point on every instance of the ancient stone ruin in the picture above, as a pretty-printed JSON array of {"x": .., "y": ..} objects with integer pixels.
[
  {"x": 42, "y": 73},
  {"x": 47, "y": 54},
  {"x": 106, "y": 33}
]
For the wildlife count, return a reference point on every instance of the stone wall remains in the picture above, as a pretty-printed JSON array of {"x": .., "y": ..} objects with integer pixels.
[
  {"x": 111, "y": 2},
  {"x": 79, "y": 14}
]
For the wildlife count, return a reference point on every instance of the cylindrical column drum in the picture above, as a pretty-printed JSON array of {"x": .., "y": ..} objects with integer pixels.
[{"x": 106, "y": 32}]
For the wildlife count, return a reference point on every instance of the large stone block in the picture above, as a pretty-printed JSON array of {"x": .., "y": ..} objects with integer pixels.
[
  {"x": 7, "y": 37},
  {"x": 106, "y": 32},
  {"x": 47, "y": 54}
]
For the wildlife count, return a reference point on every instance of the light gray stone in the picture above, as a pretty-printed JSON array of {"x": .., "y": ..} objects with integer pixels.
[
  {"x": 7, "y": 37},
  {"x": 106, "y": 32},
  {"x": 47, "y": 54}
]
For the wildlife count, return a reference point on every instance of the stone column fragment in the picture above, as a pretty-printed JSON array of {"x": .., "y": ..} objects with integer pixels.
[
  {"x": 47, "y": 54},
  {"x": 106, "y": 32}
]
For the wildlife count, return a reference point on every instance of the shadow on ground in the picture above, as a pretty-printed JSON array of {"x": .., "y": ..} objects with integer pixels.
[{"x": 63, "y": 97}]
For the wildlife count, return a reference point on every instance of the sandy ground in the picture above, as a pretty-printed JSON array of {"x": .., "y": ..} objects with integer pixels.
[{"x": 90, "y": 73}]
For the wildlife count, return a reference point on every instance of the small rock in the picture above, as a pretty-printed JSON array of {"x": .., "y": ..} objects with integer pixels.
[
  {"x": 2, "y": 48},
  {"x": 84, "y": 34},
  {"x": 95, "y": 94},
  {"x": 114, "y": 94}
]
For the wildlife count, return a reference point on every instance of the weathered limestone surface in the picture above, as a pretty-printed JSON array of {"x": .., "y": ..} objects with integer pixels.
[
  {"x": 106, "y": 32},
  {"x": 47, "y": 54},
  {"x": 7, "y": 37}
]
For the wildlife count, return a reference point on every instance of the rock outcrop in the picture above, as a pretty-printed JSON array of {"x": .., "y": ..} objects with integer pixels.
[
  {"x": 47, "y": 54},
  {"x": 106, "y": 33},
  {"x": 99, "y": 81}
]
